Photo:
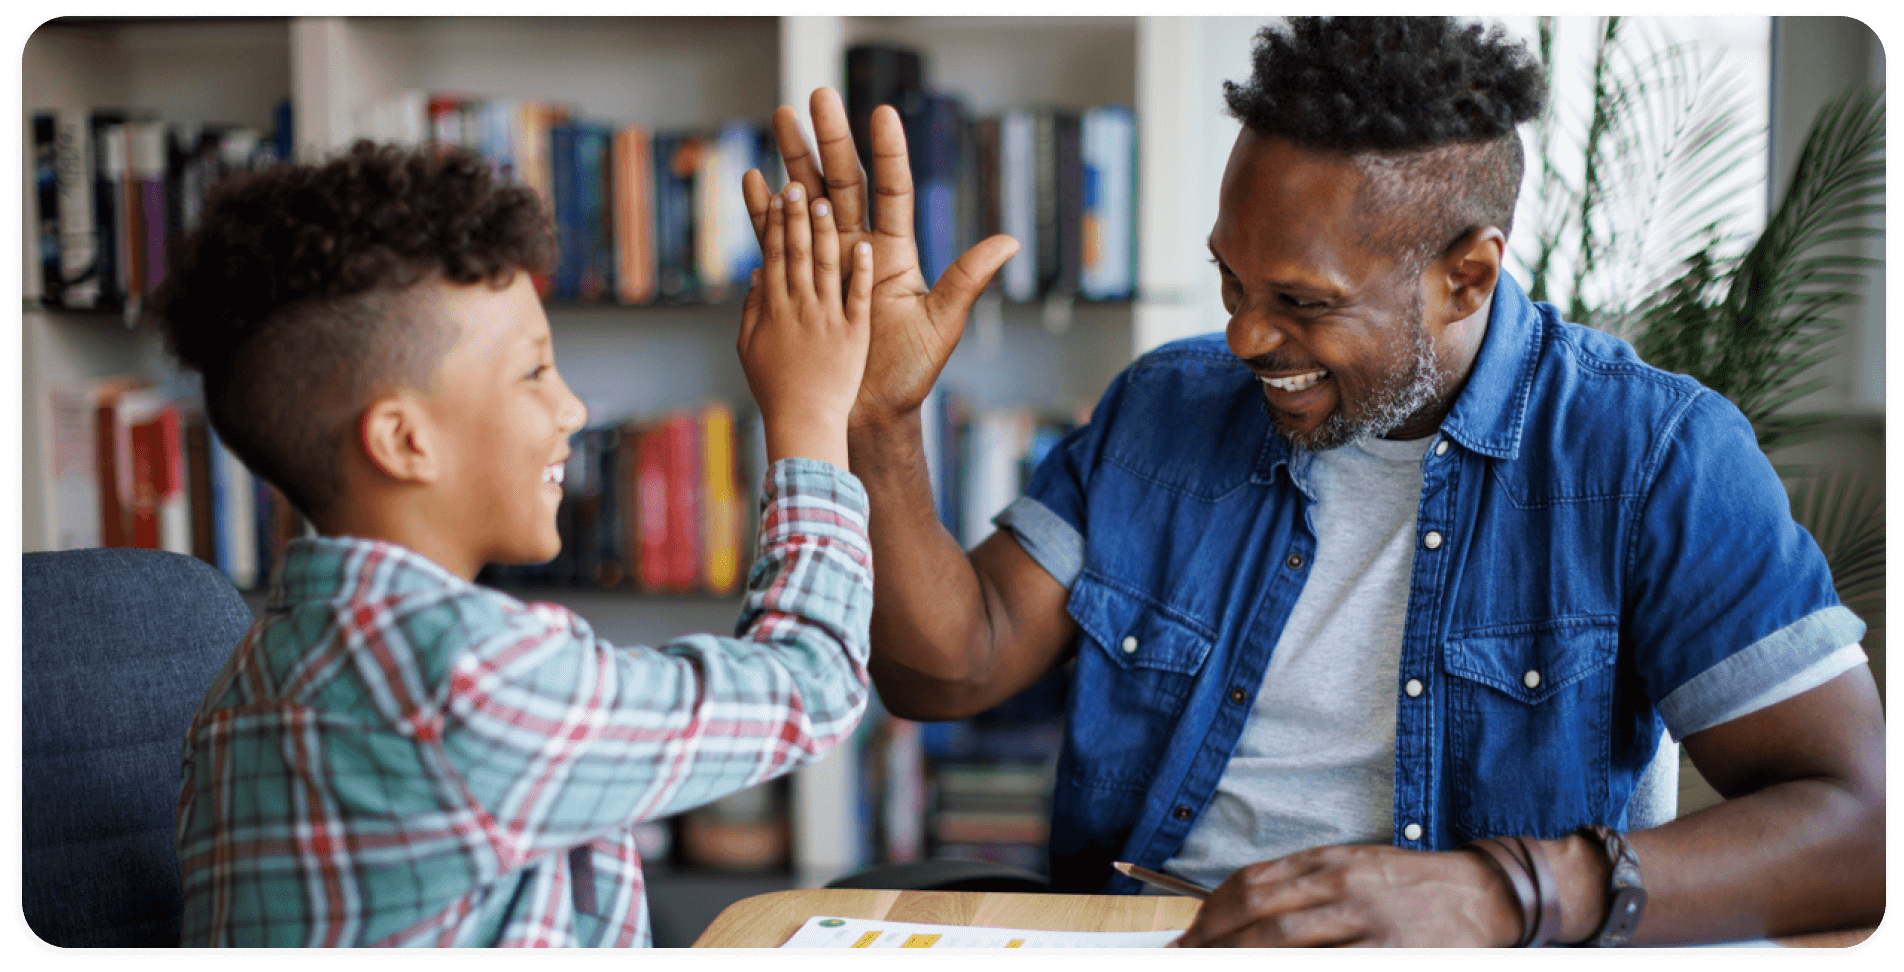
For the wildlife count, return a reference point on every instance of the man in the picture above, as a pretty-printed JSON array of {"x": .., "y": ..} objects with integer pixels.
[{"x": 1402, "y": 563}]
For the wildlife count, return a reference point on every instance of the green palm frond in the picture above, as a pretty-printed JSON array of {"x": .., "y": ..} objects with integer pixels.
[{"x": 1776, "y": 314}]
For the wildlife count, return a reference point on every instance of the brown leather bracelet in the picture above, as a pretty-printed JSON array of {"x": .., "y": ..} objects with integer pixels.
[
  {"x": 1507, "y": 864},
  {"x": 1545, "y": 890}
]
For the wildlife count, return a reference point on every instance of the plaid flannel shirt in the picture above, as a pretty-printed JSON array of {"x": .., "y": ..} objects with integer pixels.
[{"x": 396, "y": 756}]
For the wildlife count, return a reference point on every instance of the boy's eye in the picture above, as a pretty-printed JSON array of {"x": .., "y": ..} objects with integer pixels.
[{"x": 537, "y": 371}]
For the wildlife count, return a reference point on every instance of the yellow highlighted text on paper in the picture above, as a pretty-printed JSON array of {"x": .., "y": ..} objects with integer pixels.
[
  {"x": 920, "y": 941},
  {"x": 866, "y": 940}
]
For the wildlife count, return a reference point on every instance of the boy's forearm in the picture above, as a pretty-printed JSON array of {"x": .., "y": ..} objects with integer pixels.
[
  {"x": 800, "y": 436},
  {"x": 929, "y": 614}
]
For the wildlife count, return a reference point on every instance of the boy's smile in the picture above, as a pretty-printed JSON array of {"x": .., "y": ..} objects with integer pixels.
[{"x": 502, "y": 418}]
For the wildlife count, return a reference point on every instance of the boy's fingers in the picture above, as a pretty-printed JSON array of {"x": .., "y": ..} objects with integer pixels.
[
  {"x": 773, "y": 256},
  {"x": 799, "y": 243},
  {"x": 754, "y": 192},
  {"x": 859, "y": 292},
  {"x": 826, "y": 256},
  {"x": 845, "y": 182}
]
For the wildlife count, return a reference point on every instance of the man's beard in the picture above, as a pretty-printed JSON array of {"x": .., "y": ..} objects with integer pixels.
[{"x": 1399, "y": 397}]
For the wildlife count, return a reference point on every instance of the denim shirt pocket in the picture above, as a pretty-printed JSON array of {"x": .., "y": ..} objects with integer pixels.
[
  {"x": 1137, "y": 662},
  {"x": 1529, "y": 713}
]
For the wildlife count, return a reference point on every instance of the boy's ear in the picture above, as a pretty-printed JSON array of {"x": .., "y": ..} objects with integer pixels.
[{"x": 396, "y": 437}]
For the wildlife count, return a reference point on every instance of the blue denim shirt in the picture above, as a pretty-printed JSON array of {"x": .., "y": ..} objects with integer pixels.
[{"x": 1603, "y": 551}]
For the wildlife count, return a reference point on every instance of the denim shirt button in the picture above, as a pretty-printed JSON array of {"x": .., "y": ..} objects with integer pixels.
[
  {"x": 1531, "y": 679},
  {"x": 1130, "y": 644},
  {"x": 1441, "y": 448},
  {"x": 1413, "y": 688},
  {"x": 1294, "y": 561},
  {"x": 1432, "y": 541},
  {"x": 1181, "y": 813},
  {"x": 1237, "y": 696},
  {"x": 1411, "y": 832}
]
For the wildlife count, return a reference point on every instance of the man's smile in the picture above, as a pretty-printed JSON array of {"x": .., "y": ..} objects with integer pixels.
[{"x": 1296, "y": 382}]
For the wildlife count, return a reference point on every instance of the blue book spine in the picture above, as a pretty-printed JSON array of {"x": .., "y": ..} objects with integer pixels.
[
  {"x": 591, "y": 211},
  {"x": 570, "y": 258}
]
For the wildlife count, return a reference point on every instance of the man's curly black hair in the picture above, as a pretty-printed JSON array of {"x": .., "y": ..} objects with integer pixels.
[
  {"x": 1425, "y": 107},
  {"x": 295, "y": 296}
]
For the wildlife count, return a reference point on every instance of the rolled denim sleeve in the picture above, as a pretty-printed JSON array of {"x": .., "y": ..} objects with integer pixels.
[
  {"x": 1731, "y": 600},
  {"x": 1048, "y": 521}
]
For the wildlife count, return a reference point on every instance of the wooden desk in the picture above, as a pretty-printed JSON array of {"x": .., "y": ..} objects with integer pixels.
[{"x": 766, "y": 920}]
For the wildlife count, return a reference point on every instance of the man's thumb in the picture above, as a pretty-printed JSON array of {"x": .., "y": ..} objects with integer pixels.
[{"x": 966, "y": 278}]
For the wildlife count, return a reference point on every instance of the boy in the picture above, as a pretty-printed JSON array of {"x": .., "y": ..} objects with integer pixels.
[{"x": 394, "y": 755}]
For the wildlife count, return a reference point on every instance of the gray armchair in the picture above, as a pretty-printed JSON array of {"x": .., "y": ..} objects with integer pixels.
[{"x": 118, "y": 648}]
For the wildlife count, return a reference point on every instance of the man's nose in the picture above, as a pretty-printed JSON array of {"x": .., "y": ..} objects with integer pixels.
[{"x": 1252, "y": 334}]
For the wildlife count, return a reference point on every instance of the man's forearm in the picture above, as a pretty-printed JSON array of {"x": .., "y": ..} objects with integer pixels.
[{"x": 929, "y": 629}]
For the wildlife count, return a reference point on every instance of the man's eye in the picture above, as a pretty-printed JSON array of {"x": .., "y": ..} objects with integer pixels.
[{"x": 1298, "y": 303}]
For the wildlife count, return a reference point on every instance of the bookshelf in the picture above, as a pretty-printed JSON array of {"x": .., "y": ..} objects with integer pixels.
[{"x": 673, "y": 72}]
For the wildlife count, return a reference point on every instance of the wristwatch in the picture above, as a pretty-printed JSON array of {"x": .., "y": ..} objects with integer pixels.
[{"x": 1626, "y": 895}]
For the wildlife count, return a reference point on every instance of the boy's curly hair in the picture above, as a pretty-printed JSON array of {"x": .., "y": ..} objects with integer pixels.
[
  {"x": 1425, "y": 107},
  {"x": 294, "y": 295}
]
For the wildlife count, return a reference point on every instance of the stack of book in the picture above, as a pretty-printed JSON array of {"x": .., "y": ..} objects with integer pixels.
[
  {"x": 641, "y": 216},
  {"x": 1062, "y": 182},
  {"x": 111, "y": 186},
  {"x": 134, "y": 468}
]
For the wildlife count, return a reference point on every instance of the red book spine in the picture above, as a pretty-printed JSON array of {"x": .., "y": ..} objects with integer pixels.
[
  {"x": 112, "y": 516},
  {"x": 146, "y": 484},
  {"x": 684, "y": 510},
  {"x": 651, "y": 511}
]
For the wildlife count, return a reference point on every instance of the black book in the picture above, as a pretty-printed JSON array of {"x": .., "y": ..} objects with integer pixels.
[
  {"x": 46, "y": 187},
  {"x": 879, "y": 74}
]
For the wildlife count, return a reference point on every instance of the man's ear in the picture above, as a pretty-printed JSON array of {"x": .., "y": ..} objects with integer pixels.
[
  {"x": 1462, "y": 280},
  {"x": 397, "y": 438}
]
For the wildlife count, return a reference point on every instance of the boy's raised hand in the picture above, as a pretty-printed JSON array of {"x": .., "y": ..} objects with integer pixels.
[
  {"x": 914, "y": 329},
  {"x": 802, "y": 347}
]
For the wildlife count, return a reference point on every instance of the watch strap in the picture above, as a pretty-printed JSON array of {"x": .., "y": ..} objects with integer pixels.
[{"x": 1626, "y": 892}]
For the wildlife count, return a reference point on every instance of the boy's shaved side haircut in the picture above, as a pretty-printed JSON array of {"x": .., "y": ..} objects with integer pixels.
[
  {"x": 294, "y": 295},
  {"x": 1424, "y": 107}
]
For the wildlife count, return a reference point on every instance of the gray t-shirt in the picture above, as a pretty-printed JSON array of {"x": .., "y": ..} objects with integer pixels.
[{"x": 1316, "y": 761}]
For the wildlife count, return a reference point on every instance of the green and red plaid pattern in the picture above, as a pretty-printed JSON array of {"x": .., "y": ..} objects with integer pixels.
[{"x": 396, "y": 756}]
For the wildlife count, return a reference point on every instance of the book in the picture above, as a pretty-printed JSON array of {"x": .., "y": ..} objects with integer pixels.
[
  {"x": 725, "y": 251},
  {"x": 1057, "y": 183},
  {"x": 108, "y": 132},
  {"x": 198, "y": 488},
  {"x": 879, "y": 74},
  {"x": 117, "y": 403},
  {"x": 677, "y": 159},
  {"x": 46, "y": 194},
  {"x": 565, "y": 208},
  {"x": 145, "y": 151},
  {"x": 78, "y": 285},
  {"x": 722, "y": 508},
  {"x": 1018, "y": 206},
  {"x": 597, "y": 231},
  {"x": 74, "y": 498},
  {"x": 932, "y": 140},
  {"x": 632, "y": 177},
  {"x": 233, "y": 499},
  {"x": 161, "y": 515},
  {"x": 1108, "y": 256}
]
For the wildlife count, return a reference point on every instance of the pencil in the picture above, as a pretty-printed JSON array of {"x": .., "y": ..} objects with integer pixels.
[{"x": 1165, "y": 881}]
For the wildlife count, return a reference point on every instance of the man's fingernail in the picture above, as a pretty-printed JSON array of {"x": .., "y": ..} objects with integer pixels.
[
  {"x": 819, "y": 208},
  {"x": 793, "y": 192},
  {"x": 864, "y": 249}
]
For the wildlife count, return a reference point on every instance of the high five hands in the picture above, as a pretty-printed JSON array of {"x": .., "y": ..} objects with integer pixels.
[{"x": 914, "y": 330}]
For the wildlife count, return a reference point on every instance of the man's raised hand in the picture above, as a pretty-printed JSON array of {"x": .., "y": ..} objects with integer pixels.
[{"x": 914, "y": 330}]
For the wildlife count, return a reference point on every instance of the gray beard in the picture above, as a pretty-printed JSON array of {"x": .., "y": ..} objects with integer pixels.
[{"x": 1400, "y": 398}]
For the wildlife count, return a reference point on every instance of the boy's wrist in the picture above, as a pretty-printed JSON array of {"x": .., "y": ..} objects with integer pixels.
[{"x": 824, "y": 441}]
